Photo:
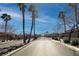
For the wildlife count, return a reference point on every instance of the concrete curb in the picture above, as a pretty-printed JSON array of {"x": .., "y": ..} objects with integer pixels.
[
  {"x": 14, "y": 51},
  {"x": 73, "y": 48},
  {"x": 11, "y": 53}
]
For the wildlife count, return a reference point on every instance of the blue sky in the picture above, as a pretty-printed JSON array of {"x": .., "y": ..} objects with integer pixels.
[{"x": 46, "y": 21}]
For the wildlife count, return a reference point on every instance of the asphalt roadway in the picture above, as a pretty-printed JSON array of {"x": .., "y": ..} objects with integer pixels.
[{"x": 44, "y": 47}]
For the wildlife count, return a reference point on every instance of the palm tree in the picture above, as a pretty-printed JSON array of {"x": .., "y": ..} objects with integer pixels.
[
  {"x": 33, "y": 10},
  {"x": 22, "y": 9},
  {"x": 6, "y": 18},
  {"x": 74, "y": 6},
  {"x": 34, "y": 16},
  {"x": 62, "y": 16}
]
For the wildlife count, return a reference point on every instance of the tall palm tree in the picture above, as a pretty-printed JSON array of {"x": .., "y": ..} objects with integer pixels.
[
  {"x": 74, "y": 6},
  {"x": 34, "y": 13},
  {"x": 6, "y": 18},
  {"x": 22, "y": 9},
  {"x": 62, "y": 16},
  {"x": 33, "y": 10}
]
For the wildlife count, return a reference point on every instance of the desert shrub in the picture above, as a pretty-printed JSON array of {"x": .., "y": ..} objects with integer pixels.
[
  {"x": 66, "y": 41},
  {"x": 75, "y": 42}
]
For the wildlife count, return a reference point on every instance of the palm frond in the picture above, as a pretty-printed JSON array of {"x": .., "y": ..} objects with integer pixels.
[
  {"x": 33, "y": 10},
  {"x": 6, "y": 17},
  {"x": 72, "y": 5},
  {"x": 21, "y": 6}
]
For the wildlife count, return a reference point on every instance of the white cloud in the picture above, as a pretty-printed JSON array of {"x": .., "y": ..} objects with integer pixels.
[
  {"x": 14, "y": 14},
  {"x": 41, "y": 20},
  {"x": 9, "y": 11},
  {"x": 45, "y": 19}
]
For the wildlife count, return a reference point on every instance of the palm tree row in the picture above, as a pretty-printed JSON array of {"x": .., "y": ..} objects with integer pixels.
[
  {"x": 63, "y": 17},
  {"x": 22, "y": 8},
  {"x": 33, "y": 11}
]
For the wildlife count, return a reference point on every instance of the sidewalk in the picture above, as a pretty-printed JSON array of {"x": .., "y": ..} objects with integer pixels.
[{"x": 73, "y": 48}]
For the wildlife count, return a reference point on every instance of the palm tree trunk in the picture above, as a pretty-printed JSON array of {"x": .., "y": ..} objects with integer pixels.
[
  {"x": 5, "y": 30},
  {"x": 72, "y": 30},
  {"x": 34, "y": 28},
  {"x": 64, "y": 25},
  {"x": 24, "y": 39},
  {"x": 70, "y": 36},
  {"x": 76, "y": 19},
  {"x": 31, "y": 30},
  {"x": 5, "y": 26}
]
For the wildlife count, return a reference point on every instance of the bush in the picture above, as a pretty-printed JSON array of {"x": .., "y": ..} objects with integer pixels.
[
  {"x": 35, "y": 37},
  {"x": 56, "y": 38},
  {"x": 75, "y": 42},
  {"x": 3, "y": 40},
  {"x": 66, "y": 41},
  {"x": 52, "y": 37}
]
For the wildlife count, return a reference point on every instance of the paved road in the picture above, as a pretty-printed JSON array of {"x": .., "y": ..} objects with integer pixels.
[{"x": 44, "y": 47}]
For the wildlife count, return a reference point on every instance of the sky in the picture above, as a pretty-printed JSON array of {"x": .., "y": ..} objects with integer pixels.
[{"x": 46, "y": 21}]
